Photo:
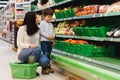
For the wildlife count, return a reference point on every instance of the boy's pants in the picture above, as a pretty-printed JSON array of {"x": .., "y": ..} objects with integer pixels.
[{"x": 46, "y": 47}]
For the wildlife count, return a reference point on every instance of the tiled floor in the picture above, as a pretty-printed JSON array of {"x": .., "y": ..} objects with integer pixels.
[{"x": 7, "y": 56}]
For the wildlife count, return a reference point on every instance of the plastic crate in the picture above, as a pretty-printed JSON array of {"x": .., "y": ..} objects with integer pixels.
[
  {"x": 72, "y": 13},
  {"x": 90, "y": 31},
  {"x": 100, "y": 32},
  {"x": 58, "y": 15},
  {"x": 75, "y": 29},
  {"x": 110, "y": 51},
  {"x": 99, "y": 51},
  {"x": 23, "y": 71},
  {"x": 72, "y": 48},
  {"x": 57, "y": 1}
]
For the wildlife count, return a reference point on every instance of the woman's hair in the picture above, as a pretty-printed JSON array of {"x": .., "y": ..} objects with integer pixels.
[
  {"x": 47, "y": 11},
  {"x": 30, "y": 22}
]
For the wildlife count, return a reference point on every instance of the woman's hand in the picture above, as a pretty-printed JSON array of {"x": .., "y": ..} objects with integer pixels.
[{"x": 32, "y": 46}]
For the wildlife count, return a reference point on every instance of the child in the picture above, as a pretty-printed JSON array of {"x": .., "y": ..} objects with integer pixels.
[{"x": 47, "y": 35}]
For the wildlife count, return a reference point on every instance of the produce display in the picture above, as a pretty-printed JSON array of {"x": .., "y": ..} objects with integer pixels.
[
  {"x": 84, "y": 48},
  {"x": 115, "y": 7},
  {"x": 66, "y": 28},
  {"x": 82, "y": 10},
  {"x": 93, "y": 22}
]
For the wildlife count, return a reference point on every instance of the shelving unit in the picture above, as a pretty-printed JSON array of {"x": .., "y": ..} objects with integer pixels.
[
  {"x": 7, "y": 14},
  {"x": 66, "y": 59},
  {"x": 107, "y": 63}
]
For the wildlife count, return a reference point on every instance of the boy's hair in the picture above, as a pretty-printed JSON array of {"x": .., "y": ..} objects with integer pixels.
[
  {"x": 43, "y": 2},
  {"x": 47, "y": 11},
  {"x": 38, "y": 12}
]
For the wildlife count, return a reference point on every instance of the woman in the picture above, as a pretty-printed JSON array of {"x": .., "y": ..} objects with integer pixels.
[{"x": 28, "y": 41}]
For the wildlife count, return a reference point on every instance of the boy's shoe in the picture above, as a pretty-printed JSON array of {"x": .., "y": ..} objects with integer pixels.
[
  {"x": 14, "y": 49},
  {"x": 50, "y": 69},
  {"x": 45, "y": 70}
]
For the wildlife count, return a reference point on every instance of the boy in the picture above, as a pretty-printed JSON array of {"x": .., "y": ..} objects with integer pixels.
[{"x": 47, "y": 35}]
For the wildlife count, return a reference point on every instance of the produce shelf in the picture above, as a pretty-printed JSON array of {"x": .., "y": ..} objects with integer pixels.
[
  {"x": 83, "y": 69},
  {"x": 65, "y": 36},
  {"x": 112, "y": 14},
  {"x": 113, "y": 39},
  {"x": 97, "y": 60},
  {"x": 63, "y": 2},
  {"x": 90, "y": 38}
]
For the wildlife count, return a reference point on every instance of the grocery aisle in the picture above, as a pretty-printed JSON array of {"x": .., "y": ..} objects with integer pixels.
[{"x": 7, "y": 56}]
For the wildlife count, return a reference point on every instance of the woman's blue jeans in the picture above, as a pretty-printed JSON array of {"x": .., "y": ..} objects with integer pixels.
[{"x": 36, "y": 52}]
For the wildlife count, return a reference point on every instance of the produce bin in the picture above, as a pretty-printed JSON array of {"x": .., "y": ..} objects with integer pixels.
[
  {"x": 57, "y": 1},
  {"x": 100, "y": 32}
]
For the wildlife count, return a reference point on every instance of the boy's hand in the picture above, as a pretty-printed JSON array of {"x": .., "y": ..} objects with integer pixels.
[
  {"x": 53, "y": 44},
  {"x": 51, "y": 37}
]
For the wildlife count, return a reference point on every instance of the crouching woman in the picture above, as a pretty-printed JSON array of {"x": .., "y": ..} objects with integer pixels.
[{"x": 28, "y": 37}]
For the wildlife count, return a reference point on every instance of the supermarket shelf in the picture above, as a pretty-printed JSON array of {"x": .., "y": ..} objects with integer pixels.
[
  {"x": 113, "y": 39},
  {"x": 83, "y": 69},
  {"x": 90, "y": 38},
  {"x": 81, "y": 37},
  {"x": 32, "y": 1},
  {"x": 63, "y": 2},
  {"x": 112, "y": 14},
  {"x": 18, "y": 14},
  {"x": 91, "y": 60},
  {"x": 89, "y": 16},
  {"x": 58, "y": 4},
  {"x": 65, "y": 36}
]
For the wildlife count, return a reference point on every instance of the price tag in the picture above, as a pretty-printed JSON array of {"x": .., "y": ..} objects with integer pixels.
[
  {"x": 81, "y": 57},
  {"x": 89, "y": 59},
  {"x": 105, "y": 14},
  {"x": 69, "y": 18},
  {"x": 95, "y": 38},
  {"x": 101, "y": 15},
  {"x": 74, "y": 55},
  {"x": 93, "y": 15},
  {"x": 64, "y": 19},
  {"x": 69, "y": 54},
  {"x": 64, "y": 53},
  {"x": 111, "y": 39},
  {"x": 74, "y": 17}
]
